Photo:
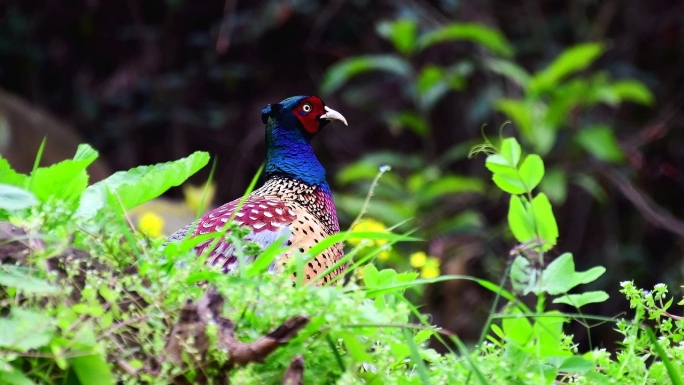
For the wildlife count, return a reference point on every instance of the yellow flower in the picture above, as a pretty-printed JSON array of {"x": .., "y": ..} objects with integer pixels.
[
  {"x": 429, "y": 272},
  {"x": 151, "y": 224},
  {"x": 369, "y": 225},
  {"x": 195, "y": 195},
  {"x": 384, "y": 255},
  {"x": 418, "y": 259}
]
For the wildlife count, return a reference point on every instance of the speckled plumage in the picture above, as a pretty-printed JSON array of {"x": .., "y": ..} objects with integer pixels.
[{"x": 295, "y": 201}]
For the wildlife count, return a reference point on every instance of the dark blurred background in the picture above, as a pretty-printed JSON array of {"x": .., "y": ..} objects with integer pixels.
[{"x": 151, "y": 81}]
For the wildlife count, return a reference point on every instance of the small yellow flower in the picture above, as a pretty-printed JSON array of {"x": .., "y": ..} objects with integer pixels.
[
  {"x": 418, "y": 259},
  {"x": 195, "y": 195},
  {"x": 384, "y": 255},
  {"x": 151, "y": 224},
  {"x": 359, "y": 272},
  {"x": 429, "y": 272},
  {"x": 369, "y": 225}
]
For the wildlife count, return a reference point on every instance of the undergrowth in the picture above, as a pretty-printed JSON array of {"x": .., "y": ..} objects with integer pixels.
[{"x": 101, "y": 318}]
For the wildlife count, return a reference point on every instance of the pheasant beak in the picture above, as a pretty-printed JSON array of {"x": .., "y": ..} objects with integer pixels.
[{"x": 331, "y": 114}]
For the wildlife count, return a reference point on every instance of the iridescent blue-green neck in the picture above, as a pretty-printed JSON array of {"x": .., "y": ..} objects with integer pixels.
[{"x": 289, "y": 154}]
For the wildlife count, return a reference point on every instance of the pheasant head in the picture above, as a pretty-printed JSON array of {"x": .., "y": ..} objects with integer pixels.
[{"x": 290, "y": 126}]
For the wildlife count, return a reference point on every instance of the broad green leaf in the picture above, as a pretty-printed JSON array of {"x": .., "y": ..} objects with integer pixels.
[
  {"x": 85, "y": 153},
  {"x": 402, "y": 34},
  {"x": 600, "y": 141},
  {"x": 633, "y": 91},
  {"x": 497, "y": 163},
  {"x": 139, "y": 185},
  {"x": 548, "y": 330},
  {"x": 590, "y": 275},
  {"x": 25, "y": 330},
  {"x": 509, "y": 181},
  {"x": 516, "y": 327},
  {"x": 519, "y": 112},
  {"x": 531, "y": 171},
  {"x": 545, "y": 221},
  {"x": 15, "y": 198},
  {"x": 65, "y": 180},
  {"x": 338, "y": 74},
  {"x": 510, "y": 150},
  {"x": 590, "y": 185},
  {"x": 555, "y": 185},
  {"x": 572, "y": 60},
  {"x": 91, "y": 367},
  {"x": 476, "y": 33},
  {"x": 15, "y": 377},
  {"x": 9, "y": 176},
  {"x": 510, "y": 70},
  {"x": 579, "y": 300},
  {"x": 576, "y": 364},
  {"x": 520, "y": 221},
  {"x": 18, "y": 277},
  {"x": 558, "y": 276}
]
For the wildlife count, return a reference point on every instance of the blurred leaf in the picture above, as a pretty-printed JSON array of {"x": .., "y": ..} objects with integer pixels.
[
  {"x": 25, "y": 330},
  {"x": 516, "y": 329},
  {"x": 590, "y": 185},
  {"x": 576, "y": 364},
  {"x": 463, "y": 220},
  {"x": 572, "y": 60},
  {"x": 476, "y": 33},
  {"x": 545, "y": 221},
  {"x": 412, "y": 121},
  {"x": 402, "y": 34},
  {"x": 579, "y": 300},
  {"x": 634, "y": 91},
  {"x": 341, "y": 72},
  {"x": 386, "y": 212},
  {"x": 532, "y": 171},
  {"x": 140, "y": 184},
  {"x": 14, "y": 198},
  {"x": 555, "y": 185},
  {"x": 520, "y": 220},
  {"x": 435, "y": 81},
  {"x": 599, "y": 141},
  {"x": 518, "y": 112},
  {"x": 15, "y": 377},
  {"x": 510, "y": 70},
  {"x": 357, "y": 171},
  {"x": 448, "y": 185},
  {"x": 17, "y": 277},
  {"x": 9, "y": 176},
  {"x": 91, "y": 367}
]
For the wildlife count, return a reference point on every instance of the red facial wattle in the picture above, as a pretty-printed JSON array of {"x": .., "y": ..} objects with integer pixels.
[{"x": 308, "y": 111}]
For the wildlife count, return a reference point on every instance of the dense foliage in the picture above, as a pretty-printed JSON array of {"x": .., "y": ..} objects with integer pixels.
[{"x": 93, "y": 324}]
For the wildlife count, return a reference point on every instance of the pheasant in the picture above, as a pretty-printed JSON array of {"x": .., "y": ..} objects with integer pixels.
[{"x": 295, "y": 200}]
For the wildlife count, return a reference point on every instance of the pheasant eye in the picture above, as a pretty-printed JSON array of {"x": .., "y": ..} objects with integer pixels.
[{"x": 306, "y": 107}]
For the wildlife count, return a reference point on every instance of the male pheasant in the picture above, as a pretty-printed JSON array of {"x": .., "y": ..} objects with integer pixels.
[{"x": 295, "y": 201}]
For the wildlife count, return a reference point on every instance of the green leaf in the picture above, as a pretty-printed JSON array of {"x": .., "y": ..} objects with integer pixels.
[
  {"x": 139, "y": 185},
  {"x": 18, "y": 277},
  {"x": 633, "y": 90},
  {"x": 65, "y": 180},
  {"x": 509, "y": 69},
  {"x": 15, "y": 377},
  {"x": 590, "y": 185},
  {"x": 572, "y": 60},
  {"x": 25, "y": 330},
  {"x": 91, "y": 367},
  {"x": 576, "y": 364},
  {"x": 579, "y": 300},
  {"x": 519, "y": 112},
  {"x": 476, "y": 33},
  {"x": 555, "y": 185},
  {"x": 672, "y": 371},
  {"x": 402, "y": 34},
  {"x": 558, "y": 276},
  {"x": 510, "y": 150},
  {"x": 531, "y": 171},
  {"x": 520, "y": 221},
  {"x": 15, "y": 198},
  {"x": 600, "y": 141},
  {"x": 355, "y": 348},
  {"x": 509, "y": 181},
  {"x": 85, "y": 153},
  {"x": 590, "y": 275},
  {"x": 411, "y": 121},
  {"x": 338, "y": 74},
  {"x": 516, "y": 327},
  {"x": 547, "y": 229},
  {"x": 9, "y": 176},
  {"x": 450, "y": 185}
]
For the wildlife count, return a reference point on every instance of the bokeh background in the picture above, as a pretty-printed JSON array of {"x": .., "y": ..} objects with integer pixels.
[{"x": 147, "y": 81}]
